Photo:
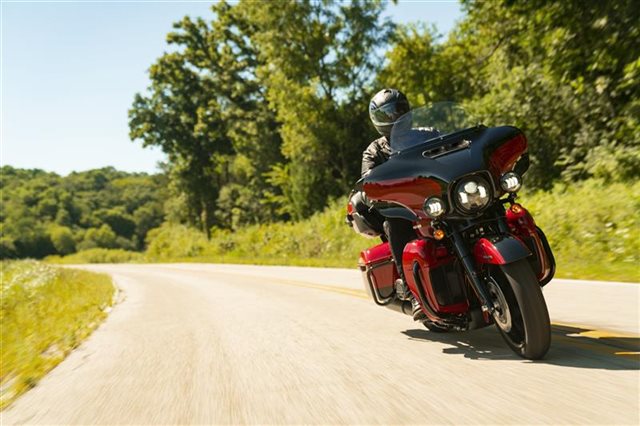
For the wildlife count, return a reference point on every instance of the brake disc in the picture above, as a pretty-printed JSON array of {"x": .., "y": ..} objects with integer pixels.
[{"x": 501, "y": 313}]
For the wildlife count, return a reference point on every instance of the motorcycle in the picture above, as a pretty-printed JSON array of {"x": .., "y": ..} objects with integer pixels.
[{"x": 478, "y": 256}]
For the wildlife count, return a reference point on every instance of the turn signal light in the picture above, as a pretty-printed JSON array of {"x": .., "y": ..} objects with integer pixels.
[
  {"x": 516, "y": 208},
  {"x": 438, "y": 234}
]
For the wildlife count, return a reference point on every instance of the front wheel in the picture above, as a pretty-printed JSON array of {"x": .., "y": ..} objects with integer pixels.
[{"x": 521, "y": 313}]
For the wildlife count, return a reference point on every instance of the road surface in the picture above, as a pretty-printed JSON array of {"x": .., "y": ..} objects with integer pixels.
[{"x": 227, "y": 344}]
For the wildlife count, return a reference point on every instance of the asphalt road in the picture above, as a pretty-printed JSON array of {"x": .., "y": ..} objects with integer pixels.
[{"x": 225, "y": 344}]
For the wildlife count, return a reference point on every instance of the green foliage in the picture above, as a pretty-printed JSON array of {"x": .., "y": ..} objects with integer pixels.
[
  {"x": 62, "y": 239},
  {"x": 261, "y": 109},
  {"x": 316, "y": 61},
  {"x": 45, "y": 312},
  {"x": 205, "y": 109},
  {"x": 98, "y": 255},
  {"x": 591, "y": 226},
  {"x": 263, "y": 89},
  {"x": 44, "y": 214},
  {"x": 319, "y": 240},
  {"x": 567, "y": 73},
  {"x": 323, "y": 238},
  {"x": 98, "y": 237},
  {"x": 425, "y": 70},
  {"x": 175, "y": 241}
]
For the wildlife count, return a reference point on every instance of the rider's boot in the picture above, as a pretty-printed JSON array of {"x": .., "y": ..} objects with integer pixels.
[
  {"x": 402, "y": 290},
  {"x": 418, "y": 313}
]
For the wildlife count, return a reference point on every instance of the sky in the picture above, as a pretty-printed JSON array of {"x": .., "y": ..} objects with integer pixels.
[{"x": 69, "y": 71}]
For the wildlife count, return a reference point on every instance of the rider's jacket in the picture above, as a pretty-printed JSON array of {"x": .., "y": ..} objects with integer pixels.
[
  {"x": 376, "y": 153},
  {"x": 379, "y": 150}
]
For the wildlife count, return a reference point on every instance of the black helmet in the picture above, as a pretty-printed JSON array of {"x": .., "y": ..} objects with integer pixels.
[{"x": 385, "y": 108}]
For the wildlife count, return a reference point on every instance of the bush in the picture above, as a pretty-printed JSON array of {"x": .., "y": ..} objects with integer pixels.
[
  {"x": 593, "y": 228},
  {"x": 62, "y": 239},
  {"x": 98, "y": 255},
  {"x": 323, "y": 239},
  {"x": 171, "y": 241}
]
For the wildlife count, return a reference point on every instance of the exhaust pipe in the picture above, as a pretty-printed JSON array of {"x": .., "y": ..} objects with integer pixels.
[
  {"x": 476, "y": 319},
  {"x": 402, "y": 306}
]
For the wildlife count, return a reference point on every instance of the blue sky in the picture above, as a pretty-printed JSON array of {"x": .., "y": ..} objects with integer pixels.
[{"x": 69, "y": 72}]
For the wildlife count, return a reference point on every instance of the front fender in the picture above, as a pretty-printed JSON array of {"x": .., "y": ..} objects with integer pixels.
[{"x": 499, "y": 250}]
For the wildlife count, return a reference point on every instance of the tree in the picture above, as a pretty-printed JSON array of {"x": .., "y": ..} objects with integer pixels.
[
  {"x": 204, "y": 108},
  {"x": 424, "y": 69},
  {"x": 42, "y": 213},
  {"x": 62, "y": 239},
  {"x": 567, "y": 73},
  {"x": 181, "y": 116},
  {"x": 316, "y": 60},
  {"x": 569, "y": 65},
  {"x": 102, "y": 237}
]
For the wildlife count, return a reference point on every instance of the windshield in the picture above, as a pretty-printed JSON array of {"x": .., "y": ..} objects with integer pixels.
[{"x": 423, "y": 124}]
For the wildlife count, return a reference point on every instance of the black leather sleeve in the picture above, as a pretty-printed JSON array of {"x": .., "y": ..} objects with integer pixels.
[
  {"x": 368, "y": 158},
  {"x": 376, "y": 153}
]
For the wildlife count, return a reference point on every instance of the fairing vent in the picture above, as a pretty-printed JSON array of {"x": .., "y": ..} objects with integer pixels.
[{"x": 446, "y": 149}]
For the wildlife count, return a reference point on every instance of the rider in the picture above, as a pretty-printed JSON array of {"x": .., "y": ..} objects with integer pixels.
[{"x": 384, "y": 109}]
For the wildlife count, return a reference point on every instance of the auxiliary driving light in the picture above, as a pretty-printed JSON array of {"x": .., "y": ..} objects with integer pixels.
[
  {"x": 511, "y": 182},
  {"x": 434, "y": 207}
]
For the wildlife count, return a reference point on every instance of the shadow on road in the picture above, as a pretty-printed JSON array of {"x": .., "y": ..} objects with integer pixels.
[{"x": 570, "y": 347}]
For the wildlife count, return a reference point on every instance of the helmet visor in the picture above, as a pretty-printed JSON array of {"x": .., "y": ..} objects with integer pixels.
[{"x": 387, "y": 114}]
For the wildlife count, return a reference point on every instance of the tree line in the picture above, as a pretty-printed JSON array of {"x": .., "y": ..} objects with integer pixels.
[{"x": 43, "y": 213}]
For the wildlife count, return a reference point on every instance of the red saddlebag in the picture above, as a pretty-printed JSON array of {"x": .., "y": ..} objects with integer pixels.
[{"x": 378, "y": 272}]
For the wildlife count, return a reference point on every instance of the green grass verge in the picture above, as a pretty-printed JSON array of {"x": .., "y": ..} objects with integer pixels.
[
  {"x": 593, "y": 228},
  {"x": 99, "y": 255},
  {"x": 46, "y": 311}
]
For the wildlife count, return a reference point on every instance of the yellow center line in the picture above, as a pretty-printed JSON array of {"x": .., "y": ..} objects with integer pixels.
[
  {"x": 592, "y": 333},
  {"x": 333, "y": 289},
  {"x": 361, "y": 294}
]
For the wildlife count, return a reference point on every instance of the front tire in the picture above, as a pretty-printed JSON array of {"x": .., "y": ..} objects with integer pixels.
[{"x": 521, "y": 313}]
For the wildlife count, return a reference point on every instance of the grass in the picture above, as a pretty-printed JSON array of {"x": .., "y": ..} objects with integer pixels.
[
  {"x": 99, "y": 255},
  {"x": 322, "y": 240},
  {"x": 46, "y": 311},
  {"x": 593, "y": 228}
]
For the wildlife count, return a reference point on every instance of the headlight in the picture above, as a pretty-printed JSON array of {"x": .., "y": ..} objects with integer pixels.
[
  {"x": 473, "y": 194},
  {"x": 434, "y": 207},
  {"x": 511, "y": 182}
]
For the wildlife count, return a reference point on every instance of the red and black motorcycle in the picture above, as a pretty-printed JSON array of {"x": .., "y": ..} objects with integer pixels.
[{"x": 478, "y": 257}]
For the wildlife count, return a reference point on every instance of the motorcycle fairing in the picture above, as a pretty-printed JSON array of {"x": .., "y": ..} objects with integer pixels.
[
  {"x": 411, "y": 176},
  {"x": 392, "y": 211}
]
